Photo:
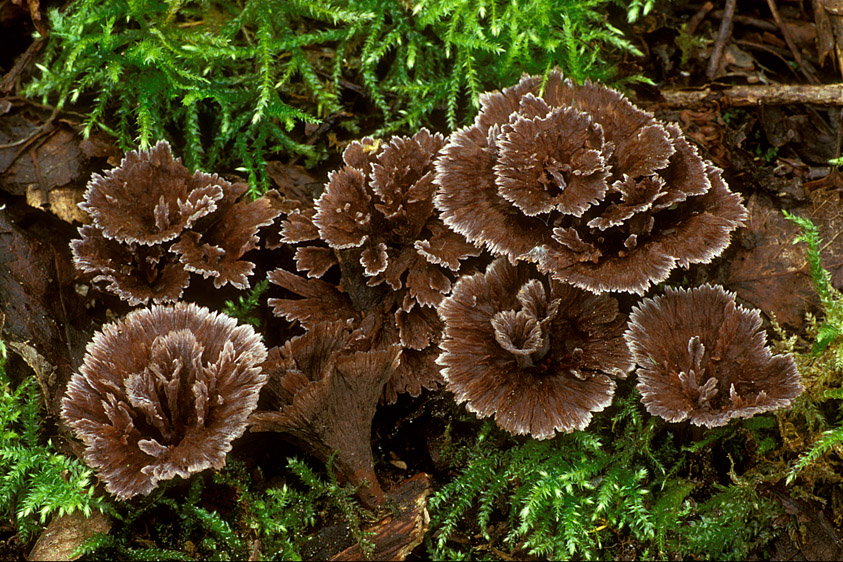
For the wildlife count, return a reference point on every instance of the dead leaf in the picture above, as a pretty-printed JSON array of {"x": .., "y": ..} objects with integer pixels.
[
  {"x": 61, "y": 201},
  {"x": 46, "y": 322},
  {"x": 55, "y": 162},
  {"x": 769, "y": 271}
]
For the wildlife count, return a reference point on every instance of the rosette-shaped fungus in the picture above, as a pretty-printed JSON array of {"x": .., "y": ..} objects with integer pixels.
[
  {"x": 324, "y": 391},
  {"x": 153, "y": 222},
  {"x": 704, "y": 358},
  {"x": 397, "y": 259},
  {"x": 163, "y": 393},
  {"x": 575, "y": 178},
  {"x": 538, "y": 354}
]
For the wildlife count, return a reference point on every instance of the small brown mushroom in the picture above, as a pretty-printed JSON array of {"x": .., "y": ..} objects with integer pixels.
[
  {"x": 150, "y": 211},
  {"x": 325, "y": 391},
  {"x": 593, "y": 190},
  {"x": 704, "y": 358},
  {"x": 163, "y": 393},
  {"x": 537, "y": 354}
]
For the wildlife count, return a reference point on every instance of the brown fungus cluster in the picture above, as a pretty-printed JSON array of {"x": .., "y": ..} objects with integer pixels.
[
  {"x": 163, "y": 393},
  {"x": 537, "y": 354},
  {"x": 704, "y": 358},
  {"x": 153, "y": 223},
  {"x": 323, "y": 391},
  {"x": 593, "y": 190},
  {"x": 397, "y": 259}
]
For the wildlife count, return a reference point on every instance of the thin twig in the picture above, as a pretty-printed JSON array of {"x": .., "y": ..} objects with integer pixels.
[
  {"x": 722, "y": 36},
  {"x": 790, "y": 44},
  {"x": 696, "y": 19},
  {"x": 40, "y": 129}
]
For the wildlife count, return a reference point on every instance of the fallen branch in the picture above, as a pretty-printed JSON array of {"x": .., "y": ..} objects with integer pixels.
[{"x": 827, "y": 94}]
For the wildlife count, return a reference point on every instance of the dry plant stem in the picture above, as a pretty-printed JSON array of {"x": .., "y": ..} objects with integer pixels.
[
  {"x": 763, "y": 25},
  {"x": 790, "y": 44},
  {"x": 10, "y": 79},
  {"x": 741, "y": 96},
  {"x": 697, "y": 19},
  {"x": 722, "y": 36},
  {"x": 778, "y": 53}
]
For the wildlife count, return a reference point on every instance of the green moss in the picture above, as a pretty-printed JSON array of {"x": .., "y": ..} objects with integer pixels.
[
  {"x": 36, "y": 481},
  {"x": 230, "y": 82}
]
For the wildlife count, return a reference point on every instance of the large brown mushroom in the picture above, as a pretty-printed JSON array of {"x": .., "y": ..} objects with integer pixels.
[
  {"x": 153, "y": 222},
  {"x": 163, "y": 393},
  {"x": 323, "y": 391},
  {"x": 704, "y": 358},
  {"x": 397, "y": 259},
  {"x": 593, "y": 190},
  {"x": 537, "y": 354}
]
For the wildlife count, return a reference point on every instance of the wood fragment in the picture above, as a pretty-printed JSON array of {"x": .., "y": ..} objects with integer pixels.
[
  {"x": 742, "y": 96},
  {"x": 23, "y": 62},
  {"x": 66, "y": 533},
  {"x": 396, "y": 535}
]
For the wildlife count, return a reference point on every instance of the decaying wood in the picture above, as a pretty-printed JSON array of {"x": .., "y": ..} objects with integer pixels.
[
  {"x": 66, "y": 533},
  {"x": 396, "y": 535},
  {"x": 737, "y": 96}
]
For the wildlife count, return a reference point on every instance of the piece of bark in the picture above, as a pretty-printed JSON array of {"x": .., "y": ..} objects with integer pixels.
[
  {"x": 66, "y": 533},
  {"x": 396, "y": 535}
]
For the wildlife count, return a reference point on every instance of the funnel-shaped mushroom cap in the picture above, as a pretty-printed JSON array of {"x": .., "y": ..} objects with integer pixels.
[
  {"x": 163, "y": 393},
  {"x": 150, "y": 198},
  {"x": 383, "y": 326},
  {"x": 537, "y": 354},
  {"x": 579, "y": 181},
  {"x": 703, "y": 358},
  {"x": 326, "y": 394}
]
